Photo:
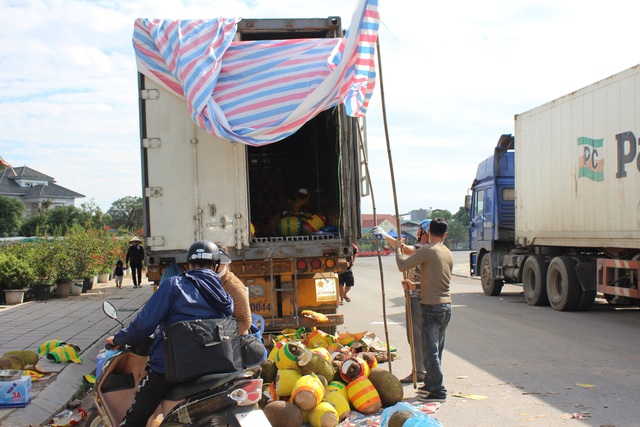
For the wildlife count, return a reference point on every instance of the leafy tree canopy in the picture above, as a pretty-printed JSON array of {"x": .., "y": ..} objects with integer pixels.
[
  {"x": 127, "y": 213},
  {"x": 458, "y": 231},
  {"x": 10, "y": 216}
]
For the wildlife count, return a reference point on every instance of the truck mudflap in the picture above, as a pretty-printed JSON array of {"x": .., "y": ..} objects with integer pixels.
[{"x": 586, "y": 272}]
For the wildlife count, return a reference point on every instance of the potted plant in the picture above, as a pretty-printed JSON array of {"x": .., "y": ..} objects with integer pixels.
[
  {"x": 41, "y": 256},
  {"x": 79, "y": 247},
  {"x": 15, "y": 276},
  {"x": 103, "y": 268},
  {"x": 63, "y": 266}
]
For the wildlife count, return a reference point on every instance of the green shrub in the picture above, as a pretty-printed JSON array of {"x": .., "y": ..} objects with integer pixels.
[
  {"x": 41, "y": 255},
  {"x": 15, "y": 273},
  {"x": 78, "y": 254}
]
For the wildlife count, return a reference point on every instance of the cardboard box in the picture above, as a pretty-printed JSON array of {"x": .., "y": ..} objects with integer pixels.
[{"x": 15, "y": 394}]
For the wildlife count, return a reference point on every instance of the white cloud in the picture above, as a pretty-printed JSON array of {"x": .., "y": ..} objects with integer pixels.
[{"x": 454, "y": 75}]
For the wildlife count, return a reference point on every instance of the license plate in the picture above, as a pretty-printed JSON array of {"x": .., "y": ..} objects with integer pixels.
[{"x": 253, "y": 419}]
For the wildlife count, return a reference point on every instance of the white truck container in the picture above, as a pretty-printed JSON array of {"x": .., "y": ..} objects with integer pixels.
[
  {"x": 198, "y": 186},
  {"x": 557, "y": 208},
  {"x": 578, "y": 169}
]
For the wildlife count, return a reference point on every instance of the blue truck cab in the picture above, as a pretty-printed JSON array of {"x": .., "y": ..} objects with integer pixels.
[{"x": 492, "y": 226}]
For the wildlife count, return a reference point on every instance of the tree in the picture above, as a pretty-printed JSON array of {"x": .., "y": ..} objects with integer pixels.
[
  {"x": 10, "y": 216},
  {"x": 59, "y": 220},
  {"x": 62, "y": 218},
  {"x": 127, "y": 213},
  {"x": 91, "y": 215},
  {"x": 458, "y": 233},
  {"x": 441, "y": 213},
  {"x": 458, "y": 230},
  {"x": 37, "y": 225}
]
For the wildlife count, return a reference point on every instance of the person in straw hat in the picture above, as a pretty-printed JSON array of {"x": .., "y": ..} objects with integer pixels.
[{"x": 135, "y": 256}]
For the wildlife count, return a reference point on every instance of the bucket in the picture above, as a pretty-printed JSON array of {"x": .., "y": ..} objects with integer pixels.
[
  {"x": 76, "y": 287},
  {"x": 289, "y": 226},
  {"x": 62, "y": 289},
  {"x": 13, "y": 296},
  {"x": 88, "y": 283},
  {"x": 42, "y": 291}
]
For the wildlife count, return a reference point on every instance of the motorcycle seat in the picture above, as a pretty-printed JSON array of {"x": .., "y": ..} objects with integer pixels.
[{"x": 208, "y": 382}]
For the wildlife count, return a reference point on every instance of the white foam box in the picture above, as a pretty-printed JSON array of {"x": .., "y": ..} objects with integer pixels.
[{"x": 16, "y": 393}]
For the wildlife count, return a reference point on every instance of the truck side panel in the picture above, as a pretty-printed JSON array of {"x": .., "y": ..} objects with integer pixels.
[
  {"x": 189, "y": 173},
  {"x": 578, "y": 168}
]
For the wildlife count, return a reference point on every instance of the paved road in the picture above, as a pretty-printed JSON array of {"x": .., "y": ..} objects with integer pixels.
[{"x": 526, "y": 360}]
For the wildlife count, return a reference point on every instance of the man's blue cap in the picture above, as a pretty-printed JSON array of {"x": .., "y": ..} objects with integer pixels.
[{"x": 425, "y": 224}]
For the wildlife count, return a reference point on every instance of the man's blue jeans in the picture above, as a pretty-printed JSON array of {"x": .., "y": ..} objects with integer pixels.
[{"x": 435, "y": 319}]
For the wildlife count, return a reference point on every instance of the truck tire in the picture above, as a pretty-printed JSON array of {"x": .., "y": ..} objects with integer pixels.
[
  {"x": 490, "y": 285},
  {"x": 563, "y": 287},
  {"x": 534, "y": 280}
]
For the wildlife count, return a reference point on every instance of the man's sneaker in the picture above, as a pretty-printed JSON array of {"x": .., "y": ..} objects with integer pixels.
[
  {"x": 428, "y": 396},
  {"x": 422, "y": 391},
  {"x": 433, "y": 397}
]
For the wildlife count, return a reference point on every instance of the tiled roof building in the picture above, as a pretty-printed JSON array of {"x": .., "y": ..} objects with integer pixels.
[{"x": 33, "y": 188}]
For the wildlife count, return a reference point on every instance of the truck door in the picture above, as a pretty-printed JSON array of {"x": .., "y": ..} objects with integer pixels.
[
  {"x": 195, "y": 184},
  {"x": 477, "y": 219}
]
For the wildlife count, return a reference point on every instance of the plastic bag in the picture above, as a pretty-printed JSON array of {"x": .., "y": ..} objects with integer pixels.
[
  {"x": 68, "y": 418},
  {"x": 418, "y": 420}
]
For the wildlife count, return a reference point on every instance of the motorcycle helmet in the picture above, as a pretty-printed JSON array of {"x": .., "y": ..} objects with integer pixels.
[{"x": 203, "y": 252}]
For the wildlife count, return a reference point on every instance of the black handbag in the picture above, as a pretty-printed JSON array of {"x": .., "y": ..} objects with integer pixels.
[{"x": 193, "y": 348}]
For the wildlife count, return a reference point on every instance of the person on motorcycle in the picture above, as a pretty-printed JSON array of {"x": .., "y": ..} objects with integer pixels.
[
  {"x": 237, "y": 290},
  {"x": 195, "y": 294}
]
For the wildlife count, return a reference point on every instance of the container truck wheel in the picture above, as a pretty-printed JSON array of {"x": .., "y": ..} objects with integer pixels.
[
  {"x": 563, "y": 287},
  {"x": 490, "y": 285},
  {"x": 534, "y": 280}
]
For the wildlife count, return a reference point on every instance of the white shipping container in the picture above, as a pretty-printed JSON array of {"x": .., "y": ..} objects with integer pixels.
[{"x": 578, "y": 167}]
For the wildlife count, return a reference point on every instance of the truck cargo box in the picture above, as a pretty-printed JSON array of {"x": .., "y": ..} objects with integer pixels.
[
  {"x": 578, "y": 167},
  {"x": 287, "y": 209}
]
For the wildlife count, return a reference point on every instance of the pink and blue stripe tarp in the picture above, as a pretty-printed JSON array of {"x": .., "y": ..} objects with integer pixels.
[{"x": 259, "y": 92}]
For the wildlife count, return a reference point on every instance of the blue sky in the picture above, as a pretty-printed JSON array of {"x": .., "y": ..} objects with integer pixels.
[{"x": 454, "y": 75}]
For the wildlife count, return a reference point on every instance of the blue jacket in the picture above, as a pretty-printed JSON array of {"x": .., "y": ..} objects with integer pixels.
[{"x": 177, "y": 299}]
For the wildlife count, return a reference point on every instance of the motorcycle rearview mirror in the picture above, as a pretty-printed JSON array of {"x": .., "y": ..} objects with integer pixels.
[{"x": 111, "y": 311}]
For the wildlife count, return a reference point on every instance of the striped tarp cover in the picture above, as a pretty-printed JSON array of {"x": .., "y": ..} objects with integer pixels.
[{"x": 259, "y": 92}]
